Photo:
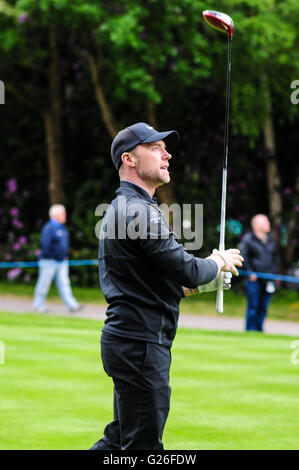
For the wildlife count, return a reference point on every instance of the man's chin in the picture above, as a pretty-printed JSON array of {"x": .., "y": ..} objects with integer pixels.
[
  {"x": 165, "y": 177},
  {"x": 164, "y": 180}
]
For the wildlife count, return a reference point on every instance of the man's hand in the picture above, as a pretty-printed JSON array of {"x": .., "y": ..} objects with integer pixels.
[
  {"x": 213, "y": 285},
  {"x": 230, "y": 259}
]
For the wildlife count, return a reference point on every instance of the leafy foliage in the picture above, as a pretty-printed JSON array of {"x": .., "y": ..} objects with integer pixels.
[{"x": 152, "y": 52}]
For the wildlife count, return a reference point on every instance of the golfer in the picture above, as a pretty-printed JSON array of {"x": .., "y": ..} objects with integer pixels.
[{"x": 142, "y": 273}]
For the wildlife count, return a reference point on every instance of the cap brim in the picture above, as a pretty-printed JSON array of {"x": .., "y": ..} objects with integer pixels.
[{"x": 172, "y": 136}]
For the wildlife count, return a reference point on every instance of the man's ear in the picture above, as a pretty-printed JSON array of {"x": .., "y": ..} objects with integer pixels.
[{"x": 128, "y": 159}]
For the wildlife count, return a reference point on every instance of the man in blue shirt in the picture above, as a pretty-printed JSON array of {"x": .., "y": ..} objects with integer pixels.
[{"x": 53, "y": 262}]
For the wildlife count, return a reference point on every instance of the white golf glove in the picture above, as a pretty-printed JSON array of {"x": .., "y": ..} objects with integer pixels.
[
  {"x": 231, "y": 258},
  {"x": 213, "y": 285}
]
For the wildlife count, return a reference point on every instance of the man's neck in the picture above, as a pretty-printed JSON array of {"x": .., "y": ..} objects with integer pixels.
[
  {"x": 55, "y": 222},
  {"x": 142, "y": 184},
  {"x": 261, "y": 235}
]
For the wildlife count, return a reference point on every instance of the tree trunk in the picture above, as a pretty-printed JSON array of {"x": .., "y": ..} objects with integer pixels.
[
  {"x": 54, "y": 155},
  {"x": 53, "y": 123},
  {"x": 273, "y": 176},
  {"x": 95, "y": 68},
  {"x": 289, "y": 248},
  {"x": 52, "y": 120},
  {"x": 274, "y": 189},
  {"x": 151, "y": 114}
]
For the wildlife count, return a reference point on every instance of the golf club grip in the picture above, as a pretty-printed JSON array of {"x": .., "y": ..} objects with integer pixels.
[{"x": 219, "y": 299}]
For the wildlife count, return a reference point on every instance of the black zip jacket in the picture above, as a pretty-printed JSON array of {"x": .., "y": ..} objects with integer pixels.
[
  {"x": 259, "y": 256},
  {"x": 143, "y": 268}
]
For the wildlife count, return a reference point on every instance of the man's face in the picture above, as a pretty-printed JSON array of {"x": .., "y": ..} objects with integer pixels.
[
  {"x": 262, "y": 224},
  {"x": 152, "y": 161},
  {"x": 61, "y": 216},
  {"x": 266, "y": 224}
]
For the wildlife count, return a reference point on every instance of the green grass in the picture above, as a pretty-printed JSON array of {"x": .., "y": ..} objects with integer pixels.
[
  {"x": 284, "y": 305},
  {"x": 84, "y": 294},
  {"x": 229, "y": 390}
]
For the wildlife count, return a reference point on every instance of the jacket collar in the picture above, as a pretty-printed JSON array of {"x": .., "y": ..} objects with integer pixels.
[
  {"x": 258, "y": 239},
  {"x": 128, "y": 186},
  {"x": 54, "y": 222}
]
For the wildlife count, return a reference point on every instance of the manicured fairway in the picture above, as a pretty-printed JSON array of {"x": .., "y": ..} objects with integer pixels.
[{"x": 229, "y": 390}]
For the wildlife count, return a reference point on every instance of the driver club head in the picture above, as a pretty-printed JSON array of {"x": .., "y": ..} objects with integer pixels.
[{"x": 219, "y": 21}]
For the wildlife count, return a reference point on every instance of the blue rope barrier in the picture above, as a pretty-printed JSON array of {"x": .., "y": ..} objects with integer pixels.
[
  {"x": 34, "y": 264},
  {"x": 272, "y": 277},
  {"x": 83, "y": 262},
  {"x": 94, "y": 262},
  {"x": 18, "y": 264}
]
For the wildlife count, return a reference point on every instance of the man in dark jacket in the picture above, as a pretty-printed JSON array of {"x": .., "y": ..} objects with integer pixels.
[
  {"x": 53, "y": 263},
  {"x": 260, "y": 255},
  {"x": 142, "y": 273}
]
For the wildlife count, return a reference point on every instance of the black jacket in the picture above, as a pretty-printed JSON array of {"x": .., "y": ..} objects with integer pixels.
[
  {"x": 259, "y": 256},
  {"x": 141, "y": 275}
]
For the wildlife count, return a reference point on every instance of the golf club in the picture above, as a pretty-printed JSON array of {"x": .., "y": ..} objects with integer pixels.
[{"x": 224, "y": 23}]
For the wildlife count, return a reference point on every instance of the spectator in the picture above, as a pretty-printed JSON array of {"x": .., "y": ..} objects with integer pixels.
[
  {"x": 53, "y": 263},
  {"x": 260, "y": 255}
]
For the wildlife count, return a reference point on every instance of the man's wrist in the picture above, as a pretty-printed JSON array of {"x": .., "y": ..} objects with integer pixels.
[{"x": 188, "y": 291}]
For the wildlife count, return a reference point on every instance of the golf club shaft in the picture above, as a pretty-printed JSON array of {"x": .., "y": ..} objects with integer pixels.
[{"x": 219, "y": 300}]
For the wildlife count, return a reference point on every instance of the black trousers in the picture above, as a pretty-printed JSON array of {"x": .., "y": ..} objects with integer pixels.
[{"x": 140, "y": 372}]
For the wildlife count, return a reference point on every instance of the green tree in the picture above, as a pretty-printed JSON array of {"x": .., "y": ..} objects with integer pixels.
[
  {"x": 270, "y": 31},
  {"x": 138, "y": 44},
  {"x": 31, "y": 70},
  {"x": 265, "y": 60},
  {"x": 143, "y": 55},
  {"x": 127, "y": 43}
]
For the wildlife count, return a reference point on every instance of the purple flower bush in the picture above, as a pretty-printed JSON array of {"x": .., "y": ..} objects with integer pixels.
[
  {"x": 14, "y": 212},
  {"x": 17, "y": 242},
  {"x": 23, "y": 18},
  {"x": 17, "y": 223},
  {"x": 12, "y": 186},
  {"x": 14, "y": 273}
]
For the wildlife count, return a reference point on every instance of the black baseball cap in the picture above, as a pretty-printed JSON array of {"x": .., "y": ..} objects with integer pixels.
[{"x": 140, "y": 133}]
